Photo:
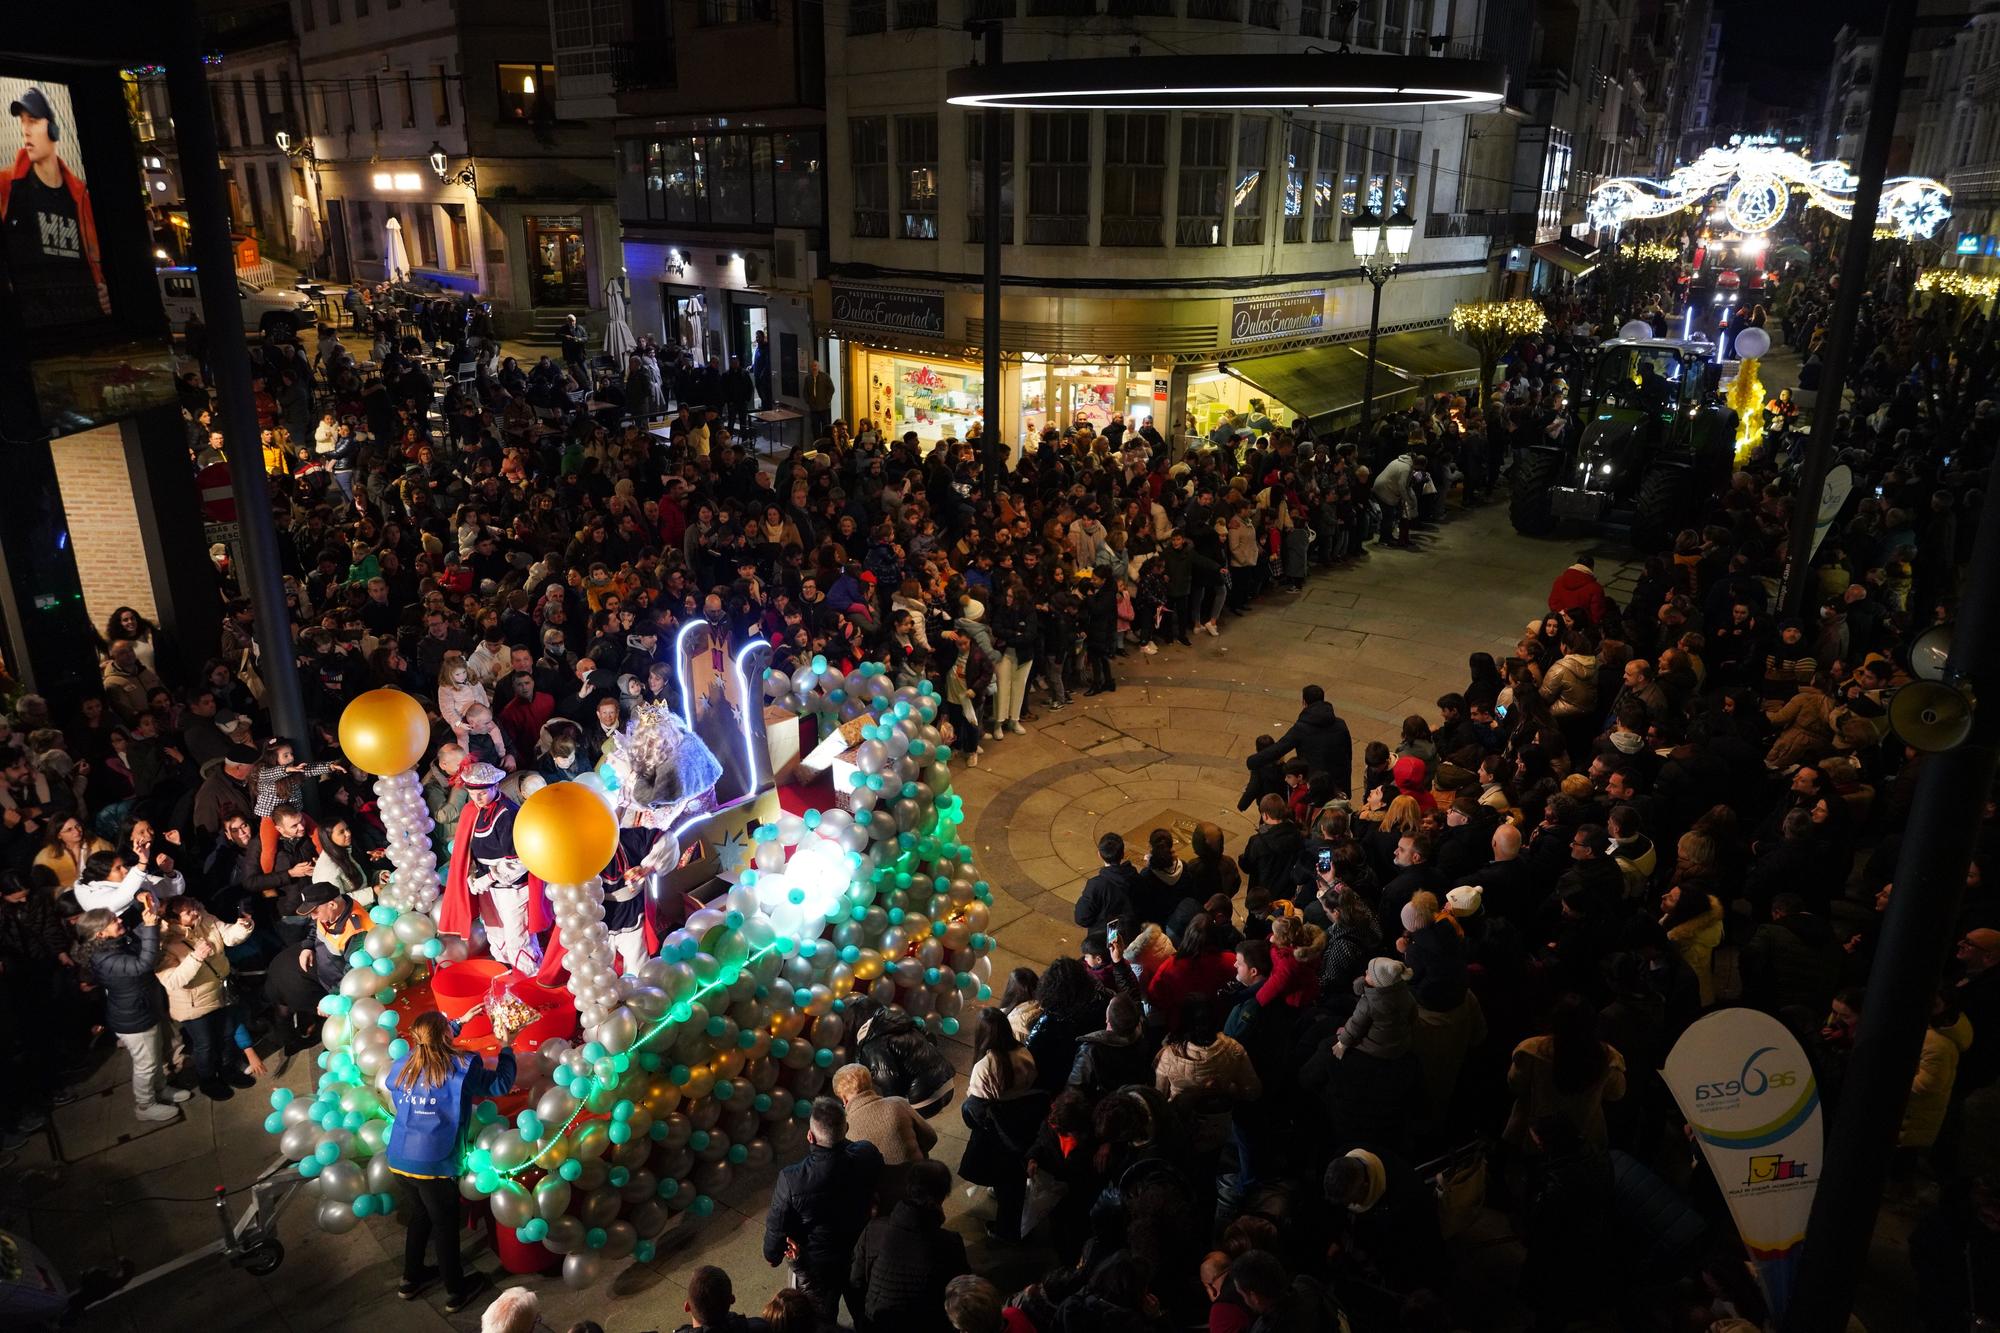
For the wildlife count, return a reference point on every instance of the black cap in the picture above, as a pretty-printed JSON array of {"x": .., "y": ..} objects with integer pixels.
[
  {"x": 240, "y": 754},
  {"x": 34, "y": 103},
  {"x": 318, "y": 894}
]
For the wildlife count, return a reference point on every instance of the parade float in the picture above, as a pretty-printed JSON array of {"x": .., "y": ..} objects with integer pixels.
[{"x": 770, "y": 907}]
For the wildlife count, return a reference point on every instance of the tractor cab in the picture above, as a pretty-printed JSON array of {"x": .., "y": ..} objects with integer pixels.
[{"x": 1643, "y": 447}]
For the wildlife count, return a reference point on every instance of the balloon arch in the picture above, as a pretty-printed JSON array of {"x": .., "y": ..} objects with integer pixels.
[{"x": 640, "y": 1096}]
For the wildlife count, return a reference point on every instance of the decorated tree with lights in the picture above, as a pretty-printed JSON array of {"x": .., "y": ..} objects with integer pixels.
[
  {"x": 1492, "y": 327},
  {"x": 705, "y": 1060}
]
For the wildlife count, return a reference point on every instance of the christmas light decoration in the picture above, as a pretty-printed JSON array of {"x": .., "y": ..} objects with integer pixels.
[
  {"x": 1957, "y": 282},
  {"x": 1650, "y": 252},
  {"x": 1757, "y": 182},
  {"x": 1491, "y": 327}
]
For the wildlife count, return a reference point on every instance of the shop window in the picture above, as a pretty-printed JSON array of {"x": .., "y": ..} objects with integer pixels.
[
  {"x": 1135, "y": 178},
  {"x": 1253, "y": 136},
  {"x": 1204, "y": 185},
  {"x": 869, "y": 139},
  {"x": 525, "y": 90},
  {"x": 975, "y": 176},
  {"x": 728, "y": 172},
  {"x": 795, "y": 167},
  {"x": 1059, "y": 178},
  {"x": 917, "y": 168},
  {"x": 934, "y": 398},
  {"x": 1325, "y": 182},
  {"x": 460, "y": 257}
]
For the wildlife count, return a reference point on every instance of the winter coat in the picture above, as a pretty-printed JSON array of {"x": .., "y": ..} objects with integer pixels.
[
  {"x": 1795, "y": 960},
  {"x": 1294, "y": 978},
  {"x": 817, "y": 1205},
  {"x": 1570, "y": 686},
  {"x": 1577, "y": 589},
  {"x": 1180, "y": 978},
  {"x": 124, "y": 968},
  {"x": 194, "y": 985},
  {"x": 1383, "y": 1022},
  {"x": 1270, "y": 859},
  {"x": 1435, "y": 956},
  {"x": 1105, "y": 1062},
  {"x": 1107, "y": 896},
  {"x": 1696, "y": 939},
  {"x": 1187, "y": 1068},
  {"x": 1930, "y": 1091},
  {"x": 1805, "y": 729},
  {"x": 1321, "y": 739},
  {"x": 1531, "y": 1076},
  {"x": 900, "y": 1269}
]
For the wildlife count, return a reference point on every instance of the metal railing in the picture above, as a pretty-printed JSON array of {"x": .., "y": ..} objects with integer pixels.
[
  {"x": 1126, "y": 231},
  {"x": 1059, "y": 229},
  {"x": 1221, "y": 11},
  {"x": 1267, "y": 14}
]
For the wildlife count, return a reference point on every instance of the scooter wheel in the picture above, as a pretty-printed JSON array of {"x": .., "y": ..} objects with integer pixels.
[{"x": 263, "y": 1258}]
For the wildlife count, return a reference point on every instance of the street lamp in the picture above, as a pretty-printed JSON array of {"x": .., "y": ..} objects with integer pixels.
[
  {"x": 291, "y": 148},
  {"x": 1380, "y": 248},
  {"x": 441, "y": 166}
]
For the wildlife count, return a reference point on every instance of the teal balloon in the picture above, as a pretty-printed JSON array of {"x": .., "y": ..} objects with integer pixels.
[
  {"x": 327, "y": 1153},
  {"x": 364, "y": 1205},
  {"x": 398, "y": 1049},
  {"x": 644, "y": 1251},
  {"x": 594, "y": 1238},
  {"x": 385, "y": 1203},
  {"x": 274, "y": 1123},
  {"x": 309, "y": 1167},
  {"x": 572, "y": 1170},
  {"x": 702, "y": 1206},
  {"x": 619, "y": 1131},
  {"x": 281, "y": 1098}
]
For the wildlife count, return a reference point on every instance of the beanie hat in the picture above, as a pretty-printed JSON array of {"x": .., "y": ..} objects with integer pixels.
[
  {"x": 1415, "y": 916},
  {"x": 1408, "y": 774},
  {"x": 1387, "y": 972},
  {"x": 1465, "y": 900}
]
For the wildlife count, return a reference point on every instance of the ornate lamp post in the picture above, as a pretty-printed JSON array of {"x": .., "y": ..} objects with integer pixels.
[
  {"x": 1380, "y": 248},
  {"x": 441, "y": 166}
]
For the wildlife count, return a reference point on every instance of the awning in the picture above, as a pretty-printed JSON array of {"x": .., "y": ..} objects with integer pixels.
[
  {"x": 1569, "y": 261},
  {"x": 1323, "y": 384},
  {"x": 1432, "y": 357}
]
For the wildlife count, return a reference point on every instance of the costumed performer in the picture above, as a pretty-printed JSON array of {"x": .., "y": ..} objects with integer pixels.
[{"x": 511, "y": 902}]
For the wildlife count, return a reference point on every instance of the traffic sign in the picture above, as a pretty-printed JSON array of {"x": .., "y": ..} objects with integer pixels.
[{"x": 218, "y": 497}]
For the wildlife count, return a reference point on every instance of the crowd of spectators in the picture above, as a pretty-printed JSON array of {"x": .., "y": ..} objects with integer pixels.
[{"x": 1460, "y": 960}]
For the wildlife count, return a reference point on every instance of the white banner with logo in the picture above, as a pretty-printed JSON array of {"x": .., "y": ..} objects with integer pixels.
[{"x": 1744, "y": 1084}]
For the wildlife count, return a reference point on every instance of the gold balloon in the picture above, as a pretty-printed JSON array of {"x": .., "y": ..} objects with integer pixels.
[
  {"x": 384, "y": 732},
  {"x": 564, "y": 834}
]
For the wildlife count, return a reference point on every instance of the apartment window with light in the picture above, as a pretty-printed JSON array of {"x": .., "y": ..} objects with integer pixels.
[
  {"x": 975, "y": 176},
  {"x": 730, "y": 179},
  {"x": 1353, "y": 166},
  {"x": 1059, "y": 178},
  {"x": 1253, "y": 138},
  {"x": 1204, "y": 185},
  {"x": 1326, "y": 181},
  {"x": 523, "y": 89},
  {"x": 1299, "y": 140},
  {"x": 917, "y": 169},
  {"x": 1135, "y": 178},
  {"x": 868, "y": 140}
]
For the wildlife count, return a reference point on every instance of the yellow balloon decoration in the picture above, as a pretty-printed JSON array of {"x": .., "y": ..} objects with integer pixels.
[
  {"x": 564, "y": 834},
  {"x": 384, "y": 732}
]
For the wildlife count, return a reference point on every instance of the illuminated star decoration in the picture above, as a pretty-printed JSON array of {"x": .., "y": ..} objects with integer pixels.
[
  {"x": 1757, "y": 182},
  {"x": 734, "y": 851}
]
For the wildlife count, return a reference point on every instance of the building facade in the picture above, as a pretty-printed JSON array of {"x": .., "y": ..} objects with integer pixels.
[
  {"x": 1958, "y": 138},
  {"x": 1158, "y": 264},
  {"x": 521, "y": 211}
]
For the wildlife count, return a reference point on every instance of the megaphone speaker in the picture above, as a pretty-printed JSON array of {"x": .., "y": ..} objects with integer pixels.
[{"x": 1930, "y": 716}]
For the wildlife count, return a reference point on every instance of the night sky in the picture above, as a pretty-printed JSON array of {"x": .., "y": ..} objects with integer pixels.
[{"x": 1782, "y": 47}]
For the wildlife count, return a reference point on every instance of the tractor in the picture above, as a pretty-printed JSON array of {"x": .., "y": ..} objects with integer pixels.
[{"x": 1650, "y": 441}]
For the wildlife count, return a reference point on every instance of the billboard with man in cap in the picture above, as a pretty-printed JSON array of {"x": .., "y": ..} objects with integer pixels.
[{"x": 52, "y": 259}]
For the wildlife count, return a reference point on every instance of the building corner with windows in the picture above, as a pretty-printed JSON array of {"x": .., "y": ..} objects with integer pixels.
[{"x": 452, "y": 120}]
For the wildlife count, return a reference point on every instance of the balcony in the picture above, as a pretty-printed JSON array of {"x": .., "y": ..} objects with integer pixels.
[
  {"x": 1503, "y": 226},
  {"x": 1975, "y": 187},
  {"x": 641, "y": 66}
]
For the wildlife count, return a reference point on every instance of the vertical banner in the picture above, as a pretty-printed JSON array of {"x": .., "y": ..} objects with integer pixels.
[
  {"x": 1839, "y": 482},
  {"x": 1745, "y": 1086}
]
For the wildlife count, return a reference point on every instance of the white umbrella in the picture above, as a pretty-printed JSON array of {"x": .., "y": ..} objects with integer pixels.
[
  {"x": 618, "y": 339},
  {"x": 399, "y": 257},
  {"x": 305, "y": 227}
]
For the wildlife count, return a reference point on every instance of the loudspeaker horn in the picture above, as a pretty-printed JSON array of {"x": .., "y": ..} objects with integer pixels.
[
  {"x": 1929, "y": 653},
  {"x": 1930, "y": 716}
]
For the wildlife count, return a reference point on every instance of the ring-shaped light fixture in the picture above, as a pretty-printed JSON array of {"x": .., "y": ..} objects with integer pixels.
[{"x": 1186, "y": 83}]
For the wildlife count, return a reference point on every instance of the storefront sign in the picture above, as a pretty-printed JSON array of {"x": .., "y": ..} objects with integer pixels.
[
  {"x": 1259, "y": 318},
  {"x": 1969, "y": 242},
  {"x": 891, "y": 309}
]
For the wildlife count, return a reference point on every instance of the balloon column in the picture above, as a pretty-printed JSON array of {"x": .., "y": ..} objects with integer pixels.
[
  {"x": 706, "y": 1060},
  {"x": 1746, "y": 393}
]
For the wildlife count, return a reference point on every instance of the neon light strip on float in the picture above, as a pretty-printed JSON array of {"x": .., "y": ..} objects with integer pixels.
[{"x": 743, "y": 692}]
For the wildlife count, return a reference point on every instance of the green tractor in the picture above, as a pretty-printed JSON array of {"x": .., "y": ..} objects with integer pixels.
[{"x": 1650, "y": 441}]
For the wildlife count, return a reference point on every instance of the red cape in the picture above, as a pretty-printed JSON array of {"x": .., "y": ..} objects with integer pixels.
[{"x": 553, "y": 973}]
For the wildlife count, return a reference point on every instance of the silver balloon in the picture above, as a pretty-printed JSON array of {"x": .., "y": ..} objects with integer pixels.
[
  {"x": 341, "y": 1182},
  {"x": 512, "y": 1206},
  {"x": 337, "y": 1218},
  {"x": 600, "y": 1207},
  {"x": 381, "y": 1179},
  {"x": 582, "y": 1268},
  {"x": 619, "y": 1238},
  {"x": 565, "y": 1235},
  {"x": 552, "y": 1195}
]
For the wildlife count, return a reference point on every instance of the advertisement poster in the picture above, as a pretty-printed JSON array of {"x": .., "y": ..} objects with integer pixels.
[
  {"x": 1746, "y": 1089},
  {"x": 48, "y": 234}
]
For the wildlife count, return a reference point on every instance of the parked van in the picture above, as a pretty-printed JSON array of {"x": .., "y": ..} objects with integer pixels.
[{"x": 264, "y": 308}]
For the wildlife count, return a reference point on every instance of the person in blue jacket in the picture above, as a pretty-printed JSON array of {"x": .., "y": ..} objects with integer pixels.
[{"x": 434, "y": 1088}]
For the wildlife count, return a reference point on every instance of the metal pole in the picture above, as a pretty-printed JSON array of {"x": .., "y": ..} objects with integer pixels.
[
  {"x": 1368, "y": 375},
  {"x": 995, "y": 125},
  {"x": 1888, "y": 92},
  {"x": 1916, "y": 934},
  {"x": 229, "y": 356}
]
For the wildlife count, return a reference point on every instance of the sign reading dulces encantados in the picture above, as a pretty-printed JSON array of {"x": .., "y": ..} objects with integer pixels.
[
  {"x": 1258, "y": 318},
  {"x": 894, "y": 309}
]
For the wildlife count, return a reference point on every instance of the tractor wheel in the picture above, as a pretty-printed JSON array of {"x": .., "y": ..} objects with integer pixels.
[
  {"x": 1534, "y": 473},
  {"x": 1665, "y": 506}
]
